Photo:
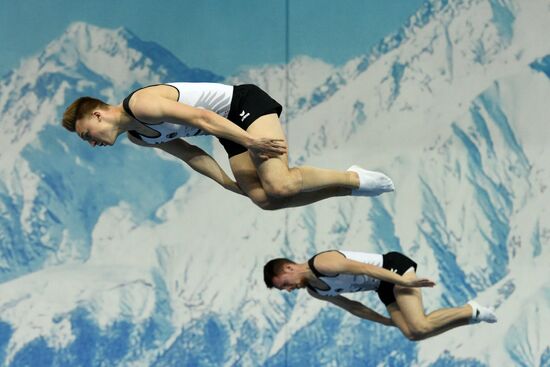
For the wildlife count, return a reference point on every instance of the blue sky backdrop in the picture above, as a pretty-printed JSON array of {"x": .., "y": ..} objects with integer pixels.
[{"x": 221, "y": 36}]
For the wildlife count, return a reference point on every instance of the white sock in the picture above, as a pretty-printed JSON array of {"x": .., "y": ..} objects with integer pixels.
[
  {"x": 481, "y": 313},
  {"x": 371, "y": 183}
]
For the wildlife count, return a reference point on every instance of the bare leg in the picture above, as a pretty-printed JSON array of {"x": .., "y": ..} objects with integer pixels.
[
  {"x": 247, "y": 177},
  {"x": 408, "y": 314},
  {"x": 445, "y": 325},
  {"x": 399, "y": 321},
  {"x": 278, "y": 180}
]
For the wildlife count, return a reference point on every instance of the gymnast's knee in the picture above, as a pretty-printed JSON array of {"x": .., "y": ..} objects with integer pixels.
[
  {"x": 266, "y": 202},
  {"x": 278, "y": 189},
  {"x": 417, "y": 332}
]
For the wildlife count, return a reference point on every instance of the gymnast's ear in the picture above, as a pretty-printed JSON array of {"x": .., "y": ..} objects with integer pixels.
[
  {"x": 288, "y": 268},
  {"x": 97, "y": 114}
]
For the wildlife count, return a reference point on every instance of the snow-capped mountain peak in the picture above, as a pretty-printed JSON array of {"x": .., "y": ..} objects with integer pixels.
[{"x": 452, "y": 107}]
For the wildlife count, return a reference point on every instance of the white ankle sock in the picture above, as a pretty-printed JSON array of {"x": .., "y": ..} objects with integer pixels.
[
  {"x": 371, "y": 183},
  {"x": 481, "y": 313}
]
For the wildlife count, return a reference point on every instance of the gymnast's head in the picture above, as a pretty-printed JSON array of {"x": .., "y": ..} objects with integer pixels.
[
  {"x": 284, "y": 274},
  {"x": 92, "y": 120}
]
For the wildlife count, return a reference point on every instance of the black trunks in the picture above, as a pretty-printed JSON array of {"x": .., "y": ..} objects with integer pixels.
[
  {"x": 398, "y": 263},
  {"x": 249, "y": 103}
]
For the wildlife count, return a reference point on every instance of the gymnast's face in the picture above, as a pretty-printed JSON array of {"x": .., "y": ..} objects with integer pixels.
[
  {"x": 289, "y": 280},
  {"x": 96, "y": 130}
]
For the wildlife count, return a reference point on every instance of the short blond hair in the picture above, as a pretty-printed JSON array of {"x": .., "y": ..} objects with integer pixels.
[{"x": 78, "y": 109}]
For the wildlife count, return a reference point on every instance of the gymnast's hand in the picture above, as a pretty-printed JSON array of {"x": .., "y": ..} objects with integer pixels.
[
  {"x": 418, "y": 282},
  {"x": 267, "y": 148}
]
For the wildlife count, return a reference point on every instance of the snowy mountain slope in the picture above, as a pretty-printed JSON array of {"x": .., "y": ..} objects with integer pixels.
[
  {"x": 39, "y": 194},
  {"x": 455, "y": 112},
  {"x": 292, "y": 85}
]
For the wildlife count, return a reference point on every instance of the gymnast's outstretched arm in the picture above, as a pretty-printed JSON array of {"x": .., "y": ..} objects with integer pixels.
[
  {"x": 356, "y": 308},
  {"x": 335, "y": 263},
  {"x": 197, "y": 159},
  {"x": 153, "y": 108}
]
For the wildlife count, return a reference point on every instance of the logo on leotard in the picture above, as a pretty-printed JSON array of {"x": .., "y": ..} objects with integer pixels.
[{"x": 243, "y": 115}]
